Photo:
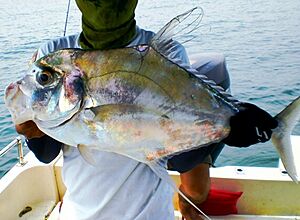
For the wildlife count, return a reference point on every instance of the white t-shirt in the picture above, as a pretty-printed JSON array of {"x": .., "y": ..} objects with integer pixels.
[{"x": 117, "y": 187}]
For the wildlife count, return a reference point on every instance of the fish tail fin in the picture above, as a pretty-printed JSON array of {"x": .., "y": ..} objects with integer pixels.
[
  {"x": 163, "y": 175},
  {"x": 287, "y": 119}
]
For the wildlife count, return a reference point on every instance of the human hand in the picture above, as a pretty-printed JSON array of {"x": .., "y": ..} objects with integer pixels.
[
  {"x": 249, "y": 126},
  {"x": 29, "y": 130}
]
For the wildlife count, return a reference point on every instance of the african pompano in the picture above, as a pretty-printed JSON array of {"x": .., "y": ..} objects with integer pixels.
[{"x": 132, "y": 101}]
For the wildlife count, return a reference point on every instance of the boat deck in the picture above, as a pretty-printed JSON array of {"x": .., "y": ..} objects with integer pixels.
[{"x": 36, "y": 189}]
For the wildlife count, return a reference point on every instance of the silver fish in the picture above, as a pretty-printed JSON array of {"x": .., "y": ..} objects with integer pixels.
[{"x": 131, "y": 101}]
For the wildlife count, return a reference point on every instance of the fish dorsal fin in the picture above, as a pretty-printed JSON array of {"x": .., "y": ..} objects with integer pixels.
[{"x": 178, "y": 29}]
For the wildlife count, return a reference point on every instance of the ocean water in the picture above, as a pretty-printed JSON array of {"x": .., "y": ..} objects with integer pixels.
[{"x": 259, "y": 38}]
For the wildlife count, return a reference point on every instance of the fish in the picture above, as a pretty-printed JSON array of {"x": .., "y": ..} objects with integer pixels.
[{"x": 133, "y": 101}]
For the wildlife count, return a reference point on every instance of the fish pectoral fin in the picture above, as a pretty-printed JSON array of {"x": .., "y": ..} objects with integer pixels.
[
  {"x": 86, "y": 154},
  {"x": 89, "y": 102}
]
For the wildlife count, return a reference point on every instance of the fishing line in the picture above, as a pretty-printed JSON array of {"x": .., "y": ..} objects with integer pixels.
[
  {"x": 192, "y": 204},
  {"x": 67, "y": 16},
  {"x": 160, "y": 172}
]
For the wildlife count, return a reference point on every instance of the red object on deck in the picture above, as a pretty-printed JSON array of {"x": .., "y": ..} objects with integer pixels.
[{"x": 220, "y": 202}]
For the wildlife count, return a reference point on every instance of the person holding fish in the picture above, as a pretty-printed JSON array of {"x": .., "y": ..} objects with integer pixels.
[{"x": 108, "y": 185}]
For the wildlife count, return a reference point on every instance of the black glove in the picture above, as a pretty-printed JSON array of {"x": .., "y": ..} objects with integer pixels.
[
  {"x": 249, "y": 126},
  {"x": 44, "y": 148}
]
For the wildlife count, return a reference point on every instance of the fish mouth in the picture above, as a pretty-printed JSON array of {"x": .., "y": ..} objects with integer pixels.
[
  {"x": 15, "y": 101},
  {"x": 11, "y": 91}
]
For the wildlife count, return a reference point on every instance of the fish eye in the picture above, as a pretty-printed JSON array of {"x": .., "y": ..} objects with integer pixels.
[{"x": 44, "y": 78}]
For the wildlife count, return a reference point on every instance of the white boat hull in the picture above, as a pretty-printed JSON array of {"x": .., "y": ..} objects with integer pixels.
[{"x": 268, "y": 193}]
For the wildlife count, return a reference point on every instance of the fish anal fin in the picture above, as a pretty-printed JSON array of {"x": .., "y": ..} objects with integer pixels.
[{"x": 86, "y": 154}]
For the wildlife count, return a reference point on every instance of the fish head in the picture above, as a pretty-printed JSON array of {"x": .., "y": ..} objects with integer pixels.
[{"x": 50, "y": 93}]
